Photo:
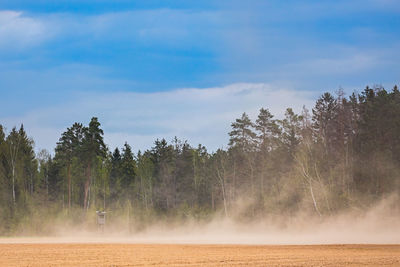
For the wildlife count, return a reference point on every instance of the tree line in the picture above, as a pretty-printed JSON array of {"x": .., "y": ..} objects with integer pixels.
[{"x": 343, "y": 154}]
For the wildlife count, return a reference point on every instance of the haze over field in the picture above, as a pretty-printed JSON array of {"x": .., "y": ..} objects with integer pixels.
[{"x": 377, "y": 226}]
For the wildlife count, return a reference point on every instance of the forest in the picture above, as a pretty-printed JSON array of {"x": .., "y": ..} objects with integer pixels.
[{"x": 343, "y": 154}]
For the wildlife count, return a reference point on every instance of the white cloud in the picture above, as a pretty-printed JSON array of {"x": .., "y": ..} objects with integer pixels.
[
  {"x": 170, "y": 27},
  {"x": 17, "y": 30},
  {"x": 198, "y": 115},
  {"x": 348, "y": 64}
]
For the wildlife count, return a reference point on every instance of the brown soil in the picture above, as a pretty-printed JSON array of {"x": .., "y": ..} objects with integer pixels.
[{"x": 197, "y": 255}]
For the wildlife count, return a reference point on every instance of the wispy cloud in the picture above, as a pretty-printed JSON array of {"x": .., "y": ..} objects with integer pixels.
[
  {"x": 338, "y": 65},
  {"x": 157, "y": 25},
  {"x": 18, "y": 31},
  {"x": 198, "y": 115}
]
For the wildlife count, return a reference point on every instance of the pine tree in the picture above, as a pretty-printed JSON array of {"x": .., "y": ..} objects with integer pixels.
[
  {"x": 128, "y": 169},
  {"x": 268, "y": 130},
  {"x": 93, "y": 147},
  {"x": 68, "y": 147},
  {"x": 291, "y": 131},
  {"x": 242, "y": 135},
  {"x": 324, "y": 115},
  {"x": 115, "y": 175}
]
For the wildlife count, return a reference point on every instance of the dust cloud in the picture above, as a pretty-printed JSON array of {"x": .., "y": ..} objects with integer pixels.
[{"x": 379, "y": 225}]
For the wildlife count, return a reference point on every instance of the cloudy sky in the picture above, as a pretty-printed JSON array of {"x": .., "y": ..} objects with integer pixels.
[{"x": 153, "y": 69}]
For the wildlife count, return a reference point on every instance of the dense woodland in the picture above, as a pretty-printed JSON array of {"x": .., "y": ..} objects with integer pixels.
[{"x": 344, "y": 154}]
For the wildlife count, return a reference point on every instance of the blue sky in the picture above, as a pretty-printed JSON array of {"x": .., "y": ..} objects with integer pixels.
[{"x": 149, "y": 69}]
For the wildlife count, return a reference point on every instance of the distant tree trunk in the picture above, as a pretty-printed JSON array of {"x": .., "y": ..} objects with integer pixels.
[
  {"x": 212, "y": 200},
  {"x": 262, "y": 180},
  {"x": 31, "y": 183},
  {"x": 13, "y": 181},
  {"x": 87, "y": 187},
  {"x": 69, "y": 186},
  {"x": 143, "y": 191},
  {"x": 94, "y": 191},
  {"x": 151, "y": 198},
  {"x": 251, "y": 176},
  {"x": 313, "y": 198},
  {"x": 223, "y": 189},
  {"x": 234, "y": 180},
  {"x": 47, "y": 186},
  {"x": 322, "y": 187},
  {"x": 309, "y": 180},
  {"x": 104, "y": 195},
  {"x": 89, "y": 194},
  {"x": 13, "y": 159}
]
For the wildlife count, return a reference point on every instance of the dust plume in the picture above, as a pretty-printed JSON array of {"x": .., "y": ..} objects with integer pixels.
[{"x": 378, "y": 225}]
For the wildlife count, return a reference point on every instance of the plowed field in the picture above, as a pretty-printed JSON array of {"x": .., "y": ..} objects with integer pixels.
[{"x": 197, "y": 255}]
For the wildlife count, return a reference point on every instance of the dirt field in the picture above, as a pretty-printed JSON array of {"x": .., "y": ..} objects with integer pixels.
[{"x": 196, "y": 255}]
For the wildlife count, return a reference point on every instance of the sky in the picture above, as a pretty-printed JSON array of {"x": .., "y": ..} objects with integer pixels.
[{"x": 158, "y": 69}]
